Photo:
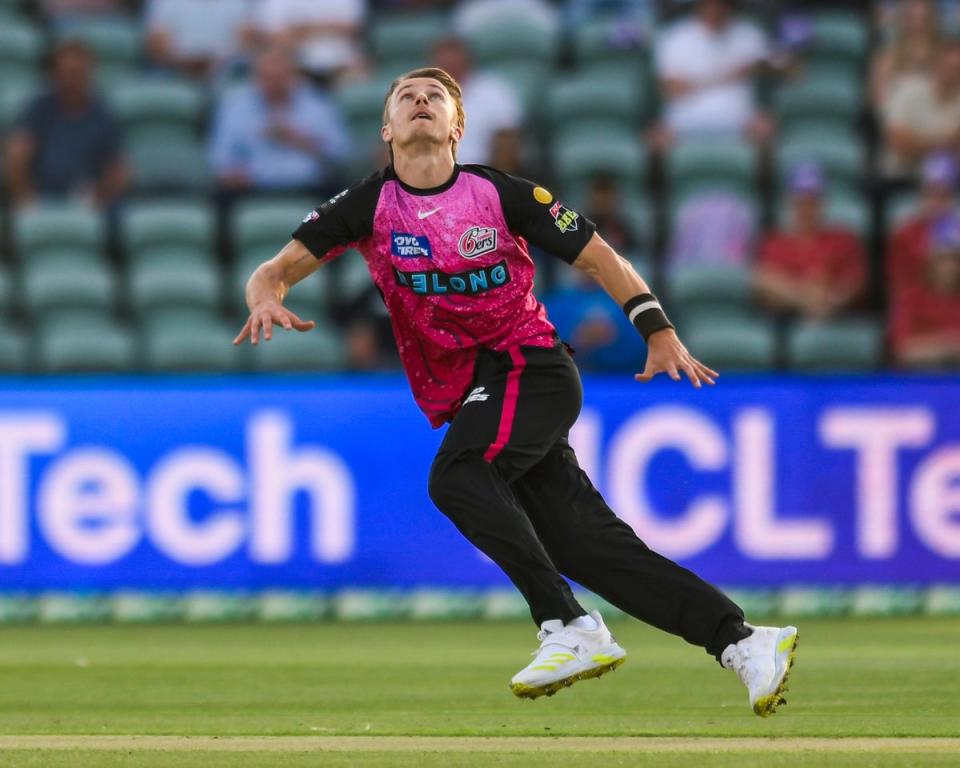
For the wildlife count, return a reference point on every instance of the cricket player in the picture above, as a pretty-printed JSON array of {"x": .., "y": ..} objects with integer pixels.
[{"x": 446, "y": 246}]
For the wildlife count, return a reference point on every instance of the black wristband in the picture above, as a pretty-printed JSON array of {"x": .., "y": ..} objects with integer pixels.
[{"x": 644, "y": 311}]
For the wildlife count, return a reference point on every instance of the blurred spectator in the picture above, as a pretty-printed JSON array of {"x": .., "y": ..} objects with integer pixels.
[
  {"x": 908, "y": 247},
  {"x": 67, "y": 143},
  {"x": 922, "y": 115},
  {"x": 712, "y": 228},
  {"x": 915, "y": 39},
  {"x": 471, "y": 15},
  {"x": 325, "y": 33},
  {"x": 277, "y": 133},
  {"x": 492, "y": 107},
  {"x": 594, "y": 326},
  {"x": 604, "y": 206},
  {"x": 635, "y": 18},
  {"x": 705, "y": 65},
  {"x": 196, "y": 38},
  {"x": 809, "y": 268},
  {"x": 925, "y": 317}
]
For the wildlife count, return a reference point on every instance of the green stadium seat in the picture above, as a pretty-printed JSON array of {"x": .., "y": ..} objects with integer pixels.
[
  {"x": 901, "y": 208},
  {"x": 709, "y": 291},
  {"x": 841, "y": 209},
  {"x": 154, "y": 110},
  {"x": 117, "y": 44},
  {"x": 843, "y": 159},
  {"x": 404, "y": 42},
  {"x": 605, "y": 40},
  {"x": 73, "y": 343},
  {"x": 839, "y": 35},
  {"x": 13, "y": 351},
  {"x": 514, "y": 40},
  {"x": 731, "y": 344},
  {"x": 21, "y": 48},
  {"x": 833, "y": 101},
  {"x": 840, "y": 345},
  {"x": 583, "y": 151},
  {"x": 171, "y": 284},
  {"x": 156, "y": 229},
  {"x": 165, "y": 166},
  {"x": 319, "y": 349},
  {"x": 47, "y": 286},
  {"x": 15, "y": 94},
  {"x": 569, "y": 99},
  {"x": 689, "y": 193},
  {"x": 352, "y": 276},
  {"x": 6, "y": 292},
  {"x": 180, "y": 344},
  {"x": 58, "y": 231},
  {"x": 260, "y": 228},
  {"x": 697, "y": 164},
  {"x": 362, "y": 102}
]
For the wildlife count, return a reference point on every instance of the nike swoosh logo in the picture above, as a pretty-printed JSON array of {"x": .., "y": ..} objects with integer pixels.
[{"x": 423, "y": 214}]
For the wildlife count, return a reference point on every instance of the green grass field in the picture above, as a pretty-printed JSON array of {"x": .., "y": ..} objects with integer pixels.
[{"x": 436, "y": 695}]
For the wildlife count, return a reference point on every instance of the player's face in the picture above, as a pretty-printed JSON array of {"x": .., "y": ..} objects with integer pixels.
[{"x": 421, "y": 111}]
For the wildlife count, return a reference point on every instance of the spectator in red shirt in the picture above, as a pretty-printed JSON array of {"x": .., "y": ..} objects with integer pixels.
[
  {"x": 908, "y": 249},
  {"x": 925, "y": 317},
  {"x": 810, "y": 269}
]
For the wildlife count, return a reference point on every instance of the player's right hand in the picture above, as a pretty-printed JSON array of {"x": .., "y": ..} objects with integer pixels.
[{"x": 263, "y": 316}]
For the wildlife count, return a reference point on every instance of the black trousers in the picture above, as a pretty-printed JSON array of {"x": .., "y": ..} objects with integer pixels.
[{"x": 507, "y": 477}]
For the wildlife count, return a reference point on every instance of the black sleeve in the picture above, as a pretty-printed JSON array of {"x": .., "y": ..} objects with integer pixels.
[
  {"x": 342, "y": 220},
  {"x": 533, "y": 212}
]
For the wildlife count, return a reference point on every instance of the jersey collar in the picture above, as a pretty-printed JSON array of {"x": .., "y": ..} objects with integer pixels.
[{"x": 425, "y": 192}]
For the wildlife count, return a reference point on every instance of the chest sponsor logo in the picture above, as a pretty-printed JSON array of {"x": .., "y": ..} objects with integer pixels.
[
  {"x": 408, "y": 246},
  {"x": 470, "y": 283},
  {"x": 565, "y": 219},
  {"x": 477, "y": 241}
]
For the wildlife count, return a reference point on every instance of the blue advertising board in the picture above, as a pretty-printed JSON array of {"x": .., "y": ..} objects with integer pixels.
[{"x": 306, "y": 482}]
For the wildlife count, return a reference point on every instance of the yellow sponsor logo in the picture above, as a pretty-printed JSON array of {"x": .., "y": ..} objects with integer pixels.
[{"x": 542, "y": 195}]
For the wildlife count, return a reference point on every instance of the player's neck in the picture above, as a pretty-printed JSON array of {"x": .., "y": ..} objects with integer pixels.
[{"x": 423, "y": 170}]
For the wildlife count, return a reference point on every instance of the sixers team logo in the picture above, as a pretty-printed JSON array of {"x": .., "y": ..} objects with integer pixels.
[
  {"x": 565, "y": 219},
  {"x": 477, "y": 241}
]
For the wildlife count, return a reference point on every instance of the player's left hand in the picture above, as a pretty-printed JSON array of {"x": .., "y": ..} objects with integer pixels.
[{"x": 666, "y": 354}]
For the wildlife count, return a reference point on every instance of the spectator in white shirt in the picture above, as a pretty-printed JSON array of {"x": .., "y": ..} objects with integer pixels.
[
  {"x": 494, "y": 111},
  {"x": 324, "y": 33},
  {"x": 196, "y": 37},
  {"x": 705, "y": 65}
]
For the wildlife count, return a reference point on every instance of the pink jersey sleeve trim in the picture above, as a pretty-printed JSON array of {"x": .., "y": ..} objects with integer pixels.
[{"x": 510, "y": 396}]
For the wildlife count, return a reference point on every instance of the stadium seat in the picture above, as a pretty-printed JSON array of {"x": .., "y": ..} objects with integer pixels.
[
  {"x": 362, "y": 103},
  {"x": 13, "y": 351},
  {"x": 842, "y": 158},
  {"x": 174, "y": 283},
  {"x": 155, "y": 110},
  {"x": 156, "y": 229},
  {"x": 901, "y": 208},
  {"x": 731, "y": 344},
  {"x": 260, "y": 228},
  {"x": 841, "y": 345},
  {"x": 175, "y": 166},
  {"x": 842, "y": 209},
  {"x": 6, "y": 292},
  {"x": 581, "y": 152},
  {"x": 839, "y": 35},
  {"x": 832, "y": 101},
  {"x": 514, "y": 40},
  {"x": 404, "y": 42},
  {"x": 709, "y": 291},
  {"x": 179, "y": 344},
  {"x": 21, "y": 47},
  {"x": 570, "y": 99},
  {"x": 84, "y": 344},
  {"x": 699, "y": 164},
  {"x": 319, "y": 349},
  {"x": 47, "y": 286},
  {"x": 116, "y": 42},
  {"x": 58, "y": 231},
  {"x": 15, "y": 94},
  {"x": 606, "y": 40}
]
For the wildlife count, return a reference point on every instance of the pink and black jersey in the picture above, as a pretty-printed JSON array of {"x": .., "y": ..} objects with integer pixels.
[{"x": 452, "y": 266}]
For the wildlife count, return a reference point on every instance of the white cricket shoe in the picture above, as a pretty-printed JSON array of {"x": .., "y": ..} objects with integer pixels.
[
  {"x": 567, "y": 654},
  {"x": 762, "y": 662}
]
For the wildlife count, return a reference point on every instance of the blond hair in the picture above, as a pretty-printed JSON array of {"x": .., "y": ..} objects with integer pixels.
[{"x": 446, "y": 80}]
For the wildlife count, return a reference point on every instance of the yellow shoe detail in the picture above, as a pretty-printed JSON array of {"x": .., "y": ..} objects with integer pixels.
[{"x": 524, "y": 691}]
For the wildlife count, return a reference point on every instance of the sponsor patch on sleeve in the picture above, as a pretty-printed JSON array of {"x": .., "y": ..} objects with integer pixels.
[
  {"x": 564, "y": 218},
  {"x": 312, "y": 216},
  {"x": 542, "y": 195}
]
